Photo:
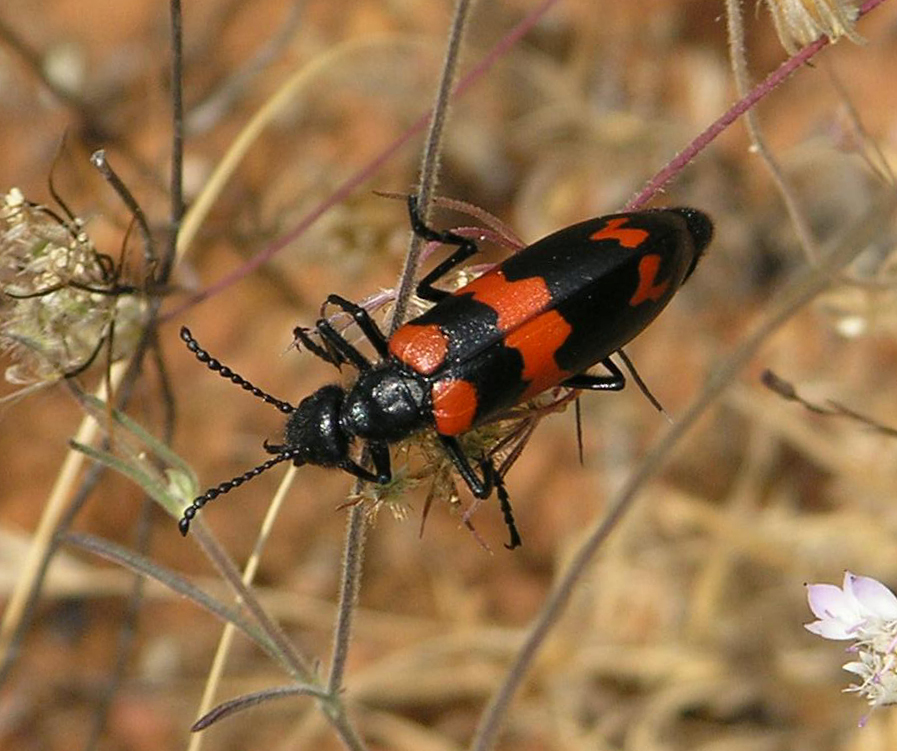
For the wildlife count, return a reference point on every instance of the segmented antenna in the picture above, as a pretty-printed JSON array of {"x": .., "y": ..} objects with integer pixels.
[
  {"x": 226, "y": 487},
  {"x": 225, "y": 372}
]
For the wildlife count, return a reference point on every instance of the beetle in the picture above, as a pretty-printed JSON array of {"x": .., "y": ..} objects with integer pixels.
[{"x": 540, "y": 319}]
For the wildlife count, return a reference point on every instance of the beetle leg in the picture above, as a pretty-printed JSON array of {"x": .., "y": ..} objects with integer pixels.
[
  {"x": 380, "y": 457},
  {"x": 337, "y": 349},
  {"x": 341, "y": 349},
  {"x": 81, "y": 367},
  {"x": 364, "y": 322},
  {"x": 613, "y": 382},
  {"x": 466, "y": 248},
  {"x": 483, "y": 488},
  {"x": 643, "y": 387},
  {"x": 356, "y": 470},
  {"x": 300, "y": 336},
  {"x": 382, "y": 471},
  {"x": 480, "y": 488}
]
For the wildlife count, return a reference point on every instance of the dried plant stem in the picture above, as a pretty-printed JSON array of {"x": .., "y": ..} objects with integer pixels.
[
  {"x": 98, "y": 159},
  {"x": 286, "y": 96},
  {"x": 742, "y": 85},
  {"x": 212, "y": 106},
  {"x": 295, "y": 663},
  {"x": 771, "y": 82},
  {"x": 177, "y": 138},
  {"x": 355, "y": 535},
  {"x": 356, "y": 529},
  {"x": 213, "y": 680},
  {"x": 353, "y": 557},
  {"x": 429, "y": 172},
  {"x": 809, "y": 282},
  {"x": 126, "y": 637},
  {"x": 54, "y": 508},
  {"x": 93, "y": 117},
  {"x": 202, "y": 205}
]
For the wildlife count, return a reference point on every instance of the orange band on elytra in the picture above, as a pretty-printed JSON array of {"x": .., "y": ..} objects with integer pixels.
[
  {"x": 454, "y": 406},
  {"x": 422, "y": 348},
  {"x": 614, "y": 230},
  {"x": 648, "y": 289}
]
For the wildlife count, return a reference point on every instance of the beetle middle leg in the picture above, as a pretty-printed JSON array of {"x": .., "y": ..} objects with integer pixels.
[
  {"x": 465, "y": 249},
  {"x": 482, "y": 488}
]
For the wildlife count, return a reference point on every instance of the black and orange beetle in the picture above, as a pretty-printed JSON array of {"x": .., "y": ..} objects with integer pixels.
[{"x": 538, "y": 320}]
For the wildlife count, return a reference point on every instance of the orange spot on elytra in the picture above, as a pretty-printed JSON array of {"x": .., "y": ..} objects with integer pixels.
[
  {"x": 537, "y": 341},
  {"x": 647, "y": 275},
  {"x": 613, "y": 230},
  {"x": 514, "y": 302},
  {"x": 422, "y": 348},
  {"x": 454, "y": 406}
]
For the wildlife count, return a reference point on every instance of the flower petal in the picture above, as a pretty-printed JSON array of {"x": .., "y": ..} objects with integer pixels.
[
  {"x": 828, "y": 601},
  {"x": 831, "y": 629},
  {"x": 873, "y": 596}
]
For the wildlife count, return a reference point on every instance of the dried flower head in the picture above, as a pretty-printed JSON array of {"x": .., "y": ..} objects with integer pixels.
[
  {"x": 864, "y": 610},
  {"x": 58, "y": 295},
  {"x": 800, "y": 22}
]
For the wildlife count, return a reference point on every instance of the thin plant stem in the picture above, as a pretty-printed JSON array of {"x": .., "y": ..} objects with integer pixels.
[
  {"x": 356, "y": 527},
  {"x": 19, "y": 626},
  {"x": 98, "y": 160},
  {"x": 216, "y": 672},
  {"x": 353, "y": 558},
  {"x": 358, "y": 178},
  {"x": 29, "y": 575},
  {"x": 807, "y": 284},
  {"x": 208, "y": 109},
  {"x": 273, "y": 108},
  {"x": 177, "y": 139},
  {"x": 255, "y": 699},
  {"x": 429, "y": 172},
  {"x": 742, "y": 85},
  {"x": 127, "y": 634},
  {"x": 771, "y": 82},
  {"x": 296, "y": 664},
  {"x": 60, "y": 513}
]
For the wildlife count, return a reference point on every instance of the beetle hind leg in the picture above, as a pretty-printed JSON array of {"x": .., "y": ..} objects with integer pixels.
[{"x": 616, "y": 381}]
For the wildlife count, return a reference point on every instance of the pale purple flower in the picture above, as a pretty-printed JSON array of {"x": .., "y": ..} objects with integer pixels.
[{"x": 864, "y": 610}]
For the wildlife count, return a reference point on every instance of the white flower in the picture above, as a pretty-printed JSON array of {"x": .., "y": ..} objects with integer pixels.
[
  {"x": 799, "y": 22},
  {"x": 864, "y": 610},
  {"x": 59, "y": 296}
]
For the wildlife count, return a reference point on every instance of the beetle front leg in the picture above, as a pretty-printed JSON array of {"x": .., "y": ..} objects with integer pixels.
[
  {"x": 382, "y": 473},
  {"x": 364, "y": 322},
  {"x": 340, "y": 349},
  {"x": 301, "y": 336}
]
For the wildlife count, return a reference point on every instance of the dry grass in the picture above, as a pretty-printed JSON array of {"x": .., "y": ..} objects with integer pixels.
[{"x": 687, "y": 632}]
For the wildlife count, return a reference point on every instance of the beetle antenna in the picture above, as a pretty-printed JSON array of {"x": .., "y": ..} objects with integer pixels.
[
  {"x": 642, "y": 385},
  {"x": 578, "y": 411},
  {"x": 225, "y": 487},
  {"x": 225, "y": 372},
  {"x": 504, "y": 502}
]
